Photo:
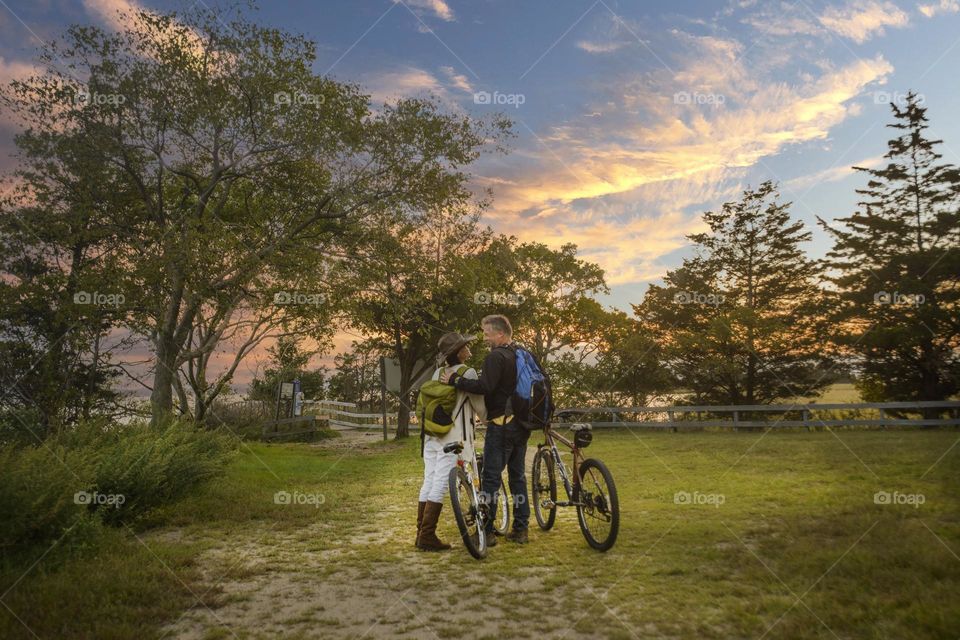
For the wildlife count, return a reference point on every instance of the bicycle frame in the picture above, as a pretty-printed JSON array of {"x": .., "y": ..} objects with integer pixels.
[{"x": 572, "y": 489}]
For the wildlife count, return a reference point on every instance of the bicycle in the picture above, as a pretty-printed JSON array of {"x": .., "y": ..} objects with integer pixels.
[
  {"x": 591, "y": 491},
  {"x": 501, "y": 524},
  {"x": 469, "y": 512}
]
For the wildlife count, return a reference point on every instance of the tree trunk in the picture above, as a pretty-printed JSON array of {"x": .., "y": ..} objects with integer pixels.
[{"x": 161, "y": 398}]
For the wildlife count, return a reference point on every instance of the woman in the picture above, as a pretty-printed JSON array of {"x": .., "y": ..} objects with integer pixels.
[{"x": 454, "y": 351}]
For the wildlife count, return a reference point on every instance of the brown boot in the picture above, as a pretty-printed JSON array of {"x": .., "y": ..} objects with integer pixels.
[
  {"x": 428, "y": 529},
  {"x": 419, "y": 522}
]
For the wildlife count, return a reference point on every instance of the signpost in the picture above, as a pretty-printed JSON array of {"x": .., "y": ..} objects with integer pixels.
[
  {"x": 390, "y": 381},
  {"x": 297, "y": 398},
  {"x": 383, "y": 394},
  {"x": 284, "y": 390}
]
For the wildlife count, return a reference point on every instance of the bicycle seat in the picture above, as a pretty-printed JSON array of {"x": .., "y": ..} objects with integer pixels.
[{"x": 453, "y": 447}]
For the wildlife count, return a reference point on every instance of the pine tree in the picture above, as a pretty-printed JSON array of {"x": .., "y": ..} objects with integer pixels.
[
  {"x": 897, "y": 269},
  {"x": 742, "y": 321}
]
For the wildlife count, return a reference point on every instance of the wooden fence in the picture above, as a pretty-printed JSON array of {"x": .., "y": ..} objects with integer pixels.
[
  {"x": 865, "y": 414},
  {"x": 679, "y": 417},
  {"x": 345, "y": 415}
]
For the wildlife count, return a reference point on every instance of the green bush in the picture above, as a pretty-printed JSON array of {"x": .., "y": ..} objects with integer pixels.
[
  {"x": 114, "y": 474},
  {"x": 38, "y": 487},
  {"x": 150, "y": 467}
]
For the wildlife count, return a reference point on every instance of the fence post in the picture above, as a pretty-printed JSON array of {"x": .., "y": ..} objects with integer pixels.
[
  {"x": 673, "y": 423},
  {"x": 883, "y": 419},
  {"x": 736, "y": 420},
  {"x": 806, "y": 418}
]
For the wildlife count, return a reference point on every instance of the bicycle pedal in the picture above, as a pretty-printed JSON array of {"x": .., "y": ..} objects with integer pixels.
[{"x": 548, "y": 504}]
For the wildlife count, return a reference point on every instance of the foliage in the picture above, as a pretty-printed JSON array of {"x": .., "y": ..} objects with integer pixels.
[
  {"x": 896, "y": 265},
  {"x": 742, "y": 321}
]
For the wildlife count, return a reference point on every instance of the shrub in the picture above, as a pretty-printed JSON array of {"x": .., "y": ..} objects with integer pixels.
[
  {"x": 38, "y": 487},
  {"x": 149, "y": 467},
  {"x": 101, "y": 471}
]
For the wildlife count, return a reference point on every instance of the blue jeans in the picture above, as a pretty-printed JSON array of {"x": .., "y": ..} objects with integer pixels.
[{"x": 506, "y": 446}]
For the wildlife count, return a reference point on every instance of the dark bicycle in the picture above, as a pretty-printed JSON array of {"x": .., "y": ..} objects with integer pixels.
[{"x": 591, "y": 489}]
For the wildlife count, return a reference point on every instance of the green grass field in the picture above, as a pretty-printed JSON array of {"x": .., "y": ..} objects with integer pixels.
[{"x": 781, "y": 537}]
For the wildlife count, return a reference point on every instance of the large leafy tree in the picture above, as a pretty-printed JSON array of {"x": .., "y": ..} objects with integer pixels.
[
  {"x": 546, "y": 293},
  {"x": 741, "y": 321},
  {"x": 59, "y": 292},
  {"x": 230, "y": 168},
  {"x": 415, "y": 282},
  {"x": 615, "y": 362},
  {"x": 896, "y": 264}
]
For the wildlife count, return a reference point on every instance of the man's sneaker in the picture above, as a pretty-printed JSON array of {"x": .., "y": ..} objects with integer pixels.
[
  {"x": 518, "y": 536},
  {"x": 491, "y": 537}
]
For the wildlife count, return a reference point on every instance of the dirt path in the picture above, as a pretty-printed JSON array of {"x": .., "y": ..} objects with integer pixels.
[{"x": 370, "y": 583}]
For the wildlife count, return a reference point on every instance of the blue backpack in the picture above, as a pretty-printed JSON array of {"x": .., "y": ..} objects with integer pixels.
[{"x": 531, "y": 403}]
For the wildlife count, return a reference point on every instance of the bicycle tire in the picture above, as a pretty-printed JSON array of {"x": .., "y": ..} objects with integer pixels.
[
  {"x": 544, "y": 481},
  {"x": 501, "y": 523},
  {"x": 468, "y": 520},
  {"x": 603, "y": 505}
]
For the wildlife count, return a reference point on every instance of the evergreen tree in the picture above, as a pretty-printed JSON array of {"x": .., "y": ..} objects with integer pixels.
[
  {"x": 741, "y": 322},
  {"x": 897, "y": 269}
]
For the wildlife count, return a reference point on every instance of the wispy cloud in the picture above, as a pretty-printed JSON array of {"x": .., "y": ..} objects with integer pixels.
[
  {"x": 860, "y": 20},
  {"x": 944, "y": 6},
  {"x": 833, "y": 174},
  {"x": 600, "y": 47},
  {"x": 110, "y": 12},
  {"x": 410, "y": 81},
  {"x": 627, "y": 184},
  {"x": 438, "y": 8},
  {"x": 609, "y": 34},
  {"x": 457, "y": 80}
]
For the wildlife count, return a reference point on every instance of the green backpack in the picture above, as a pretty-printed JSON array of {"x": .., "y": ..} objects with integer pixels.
[{"x": 435, "y": 406}]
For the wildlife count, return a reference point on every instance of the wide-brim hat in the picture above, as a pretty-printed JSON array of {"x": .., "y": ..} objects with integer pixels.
[{"x": 453, "y": 342}]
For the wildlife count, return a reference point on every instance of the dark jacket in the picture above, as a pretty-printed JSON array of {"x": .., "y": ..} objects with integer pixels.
[{"x": 497, "y": 381}]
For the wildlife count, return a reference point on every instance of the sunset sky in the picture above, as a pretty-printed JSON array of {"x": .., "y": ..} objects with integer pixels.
[{"x": 632, "y": 117}]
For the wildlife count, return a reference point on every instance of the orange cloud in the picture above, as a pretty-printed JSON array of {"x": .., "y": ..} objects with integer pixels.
[
  {"x": 439, "y": 8},
  {"x": 622, "y": 183}
]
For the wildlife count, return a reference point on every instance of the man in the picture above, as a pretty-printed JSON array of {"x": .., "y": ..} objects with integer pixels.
[{"x": 506, "y": 441}]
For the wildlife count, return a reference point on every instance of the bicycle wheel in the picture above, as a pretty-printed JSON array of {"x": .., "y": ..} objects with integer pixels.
[
  {"x": 502, "y": 522},
  {"x": 599, "y": 509},
  {"x": 466, "y": 511},
  {"x": 544, "y": 488}
]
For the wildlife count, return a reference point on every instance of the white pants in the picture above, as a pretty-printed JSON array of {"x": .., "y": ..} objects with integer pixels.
[{"x": 436, "y": 470}]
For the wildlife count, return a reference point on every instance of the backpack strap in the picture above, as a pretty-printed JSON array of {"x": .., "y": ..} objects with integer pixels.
[{"x": 460, "y": 371}]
